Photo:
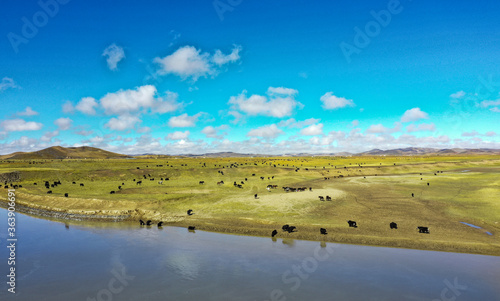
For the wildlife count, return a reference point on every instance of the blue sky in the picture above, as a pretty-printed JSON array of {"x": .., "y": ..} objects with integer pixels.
[{"x": 179, "y": 77}]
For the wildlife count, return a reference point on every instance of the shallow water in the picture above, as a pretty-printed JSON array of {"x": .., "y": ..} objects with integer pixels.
[
  {"x": 127, "y": 262},
  {"x": 477, "y": 227}
]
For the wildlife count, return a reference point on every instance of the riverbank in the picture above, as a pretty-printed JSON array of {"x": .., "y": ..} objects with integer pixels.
[{"x": 254, "y": 227}]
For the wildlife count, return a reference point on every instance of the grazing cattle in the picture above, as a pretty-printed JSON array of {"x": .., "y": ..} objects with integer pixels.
[
  {"x": 246, "y": 179},
  {"x": 274, "y": 233},
  {"x": 66, "y": 195},
  {"x": 242, "y": 182},
  {"x": 142, "y": 222},
  {"x": 412, "y": 195},
  {"x": 148, "y": 223},
  {"x": 328, "y": 198},
  {"x": 239, "y": 186},
  {"x": 428, "y": 184},
  {"x": 34, "y": 184},
  {"x": 285, "y": 227},
  {"x": 322, "y": 231},
  {"x": 291, "y": 229},
  {"x": 160, "y": 182},
  {"x": 220, "y": 183},
  {"x": 253, "y": 175},
  {"x": 310, "y": 189},
  {"x": 112, "y": 192},
  {"x": 321, "y": 198},
  {"x": 190, "y": 212},
  {"x": 423, "y": 230},
  {"x": 393, "y": 225},
  {"x": 352, "y": 224},
  {"x": 256, "y": 196},
  {"x": 262, "y": 178},
  {"x": 49, "y": 192},
  {"x": 81, "y": 185},
  {"x": 202, "y": 182},
  {"x": 74, "y": 182},
  {"x": 191, "y": 228},
  {"x": 138, "y": 183},
  {"x": 160, "y": 224}
]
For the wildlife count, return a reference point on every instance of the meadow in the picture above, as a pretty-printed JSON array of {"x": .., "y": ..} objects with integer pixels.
[{"x": 373, "y": 191}]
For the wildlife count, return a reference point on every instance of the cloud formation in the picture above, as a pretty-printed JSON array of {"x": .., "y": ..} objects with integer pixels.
[
  {"x": 114, "y": 54},
  {"x": 414, "y": 114},
  {"x": 189, "y": 62},
  {"x": 20, "y": 125},
  {"x": 63, "y": 123},
  {"x": 27, "y": 112},
  {"x": 7, "y": 83},
  {"x": 332, "y": 102},
  {"x": 279, "y": 102},
  {"x": 268, "y": 131}
]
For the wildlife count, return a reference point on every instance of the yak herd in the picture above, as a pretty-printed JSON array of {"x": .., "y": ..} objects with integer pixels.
[{"x": 285, "y": 228}]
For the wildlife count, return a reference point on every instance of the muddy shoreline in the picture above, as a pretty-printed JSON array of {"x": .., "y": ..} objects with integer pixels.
[{"x": 249, "y": 228}]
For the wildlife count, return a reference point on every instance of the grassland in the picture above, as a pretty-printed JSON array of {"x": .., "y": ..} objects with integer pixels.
[{"x": 373, "y": 191}]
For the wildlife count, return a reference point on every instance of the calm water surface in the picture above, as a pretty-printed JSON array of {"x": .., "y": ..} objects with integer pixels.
[{"x": 91, "y": 261}]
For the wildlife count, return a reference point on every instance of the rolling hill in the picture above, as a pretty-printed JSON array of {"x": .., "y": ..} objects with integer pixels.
[{"x": 59, "y": 152}]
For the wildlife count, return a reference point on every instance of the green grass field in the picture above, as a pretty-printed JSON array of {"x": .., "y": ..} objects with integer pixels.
[{"x": 373, "y": 191}]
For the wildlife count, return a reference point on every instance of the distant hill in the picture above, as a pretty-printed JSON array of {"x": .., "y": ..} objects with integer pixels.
[
  {"x": 415, "y": 151},
  {"x": 86, "y": 152},
  {"x": 59, "y": 152}
]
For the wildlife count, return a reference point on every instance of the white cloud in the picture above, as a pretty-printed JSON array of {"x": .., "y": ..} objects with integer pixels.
[
  {"x": 414, "y": 115},
  {"x": 475, "y": 133},
  {"x": 166, "y": 104},
  {"x": 123, "y": 122},
  {"x": 87, "y": 106},
  {"x": 421, "y": 127},
  {"x": 489, "y": 103},
  {"x": 220, "y": 59},
  {"x": 63, "y": 123},
  {"x": 377, "y": 129},
  {"x": 19, "y": 125},
  {"x": 47, "y": 137},
  {"x": 212, "y": 132},
  {"x": 183, "y": 120},
  {"x": 114, "y": 54},
  {"x": 332, "y": 102},
  {"x": 178, "y": 135},
  {"x": 312, "y": 130},
  {"x": 470, "y": 134},
  {"x": 27, "y": 112},
  {"x": 133, "y": 100},
  {"x": 292, "y": 123},
  {"x": 68, "y": 107},
  {"x": 189, "y": 62},
  {"x": 355, "y": 123},
  {"x": 495, "y": 109},
  {"x": 269, "y": 131},
  {"x": 84, "y": 133},
  {"x": 7, "y": 83},
  {"x": 458, "y": 94},
  {"x": 281, "y": 91},
  {"x": 127, "y": 101},
  {"x": 380, "y": 129},
  {"x": 280, "y": 103}
]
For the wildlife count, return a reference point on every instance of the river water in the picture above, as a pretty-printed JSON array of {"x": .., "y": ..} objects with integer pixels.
[{"x": 95, "y": 261}]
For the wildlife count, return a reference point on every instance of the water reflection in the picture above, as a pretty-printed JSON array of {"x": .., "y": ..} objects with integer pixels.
[{"x": 80, "y": 260}]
